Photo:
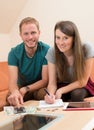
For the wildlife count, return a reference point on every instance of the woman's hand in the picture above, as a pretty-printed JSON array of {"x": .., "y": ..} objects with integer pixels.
[
  {"x": 49, "y": 98},
  {"x": 89, "y": 99},
  {"x": 59, "y": 93}
]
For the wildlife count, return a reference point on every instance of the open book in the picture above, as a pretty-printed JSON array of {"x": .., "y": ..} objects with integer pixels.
[{"x": 58, "y": 103}]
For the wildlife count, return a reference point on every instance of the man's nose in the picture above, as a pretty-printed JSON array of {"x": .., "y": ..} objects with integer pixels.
[{"x": 30, "y": 36}]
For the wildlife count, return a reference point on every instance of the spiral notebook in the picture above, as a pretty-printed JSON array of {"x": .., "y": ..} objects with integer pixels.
[{"x": 43, "y": 104}]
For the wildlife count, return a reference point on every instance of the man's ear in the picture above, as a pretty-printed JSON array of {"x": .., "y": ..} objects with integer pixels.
[
  {"x": 20, "y": 34},
  {"x": 39, "y": 32}
]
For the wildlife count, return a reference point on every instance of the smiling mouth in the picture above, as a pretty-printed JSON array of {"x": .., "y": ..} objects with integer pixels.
[
  {"x": 31, "y": 42},
  {"x": 62, "y": 47}
]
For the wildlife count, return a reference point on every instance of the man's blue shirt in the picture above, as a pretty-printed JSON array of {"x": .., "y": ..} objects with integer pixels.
[{"x": 29, "y": 69}]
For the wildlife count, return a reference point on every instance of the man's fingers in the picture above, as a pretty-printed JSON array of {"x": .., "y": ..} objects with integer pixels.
[
  {"x": 17, "y": 103},
  {"x": 11, "y": 100},
  {"x": 21, "y": 100},
  {"x": 16, "y": 100}
]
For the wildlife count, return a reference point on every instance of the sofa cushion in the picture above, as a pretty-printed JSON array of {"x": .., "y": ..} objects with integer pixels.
[
  {"x": 4, "y": 77},
  {"x": 3, "y": 101}
]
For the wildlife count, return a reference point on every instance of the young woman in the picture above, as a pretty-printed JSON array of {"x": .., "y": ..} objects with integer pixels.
[{"x": 69, "y": 64}]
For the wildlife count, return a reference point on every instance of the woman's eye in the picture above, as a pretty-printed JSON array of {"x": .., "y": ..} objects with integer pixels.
[
  {"x": 65, "y": 38},
  {"x": 57, "y": 37}
]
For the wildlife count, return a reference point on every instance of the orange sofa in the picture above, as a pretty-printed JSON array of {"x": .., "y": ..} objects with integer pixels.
[{"x": 4, "y": 78}]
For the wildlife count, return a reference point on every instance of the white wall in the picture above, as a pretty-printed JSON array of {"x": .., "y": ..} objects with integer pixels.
[
  {"x": 4, "y": 46},
  {"x": 48, "y": 12}
]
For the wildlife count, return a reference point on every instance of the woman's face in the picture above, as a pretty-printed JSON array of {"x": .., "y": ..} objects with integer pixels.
[{"x": 63, "y": 41}]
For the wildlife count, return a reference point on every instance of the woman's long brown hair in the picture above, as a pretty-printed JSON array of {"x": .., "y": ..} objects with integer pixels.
[{"x": 70, "y": 29}]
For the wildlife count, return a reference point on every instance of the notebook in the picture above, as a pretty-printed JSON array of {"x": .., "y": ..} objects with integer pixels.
[{"x": 43, "y": 104}]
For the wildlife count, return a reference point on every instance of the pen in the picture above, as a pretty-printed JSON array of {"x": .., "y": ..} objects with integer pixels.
[{"x": 46, "y": 91}]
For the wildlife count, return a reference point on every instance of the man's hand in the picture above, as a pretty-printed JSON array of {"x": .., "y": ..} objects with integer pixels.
[
  {"x": 16, "y": 99},
  {"x": 24, "y": 90}
]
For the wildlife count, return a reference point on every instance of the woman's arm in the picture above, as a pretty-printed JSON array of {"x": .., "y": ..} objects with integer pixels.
[
  {"x": 52, "y": 86},
  {"x": 89, "y": 99},
  {"x": 77, "y": 84}
]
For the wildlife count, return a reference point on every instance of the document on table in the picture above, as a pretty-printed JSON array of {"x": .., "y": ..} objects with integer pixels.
[
  {"x": 89, "y": 125},
  {"x": 58, "y": 103},
  {"x": 10, "y": 110}
]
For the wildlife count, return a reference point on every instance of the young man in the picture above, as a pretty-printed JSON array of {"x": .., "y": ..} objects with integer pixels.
[{"x": 27, "y": 65}]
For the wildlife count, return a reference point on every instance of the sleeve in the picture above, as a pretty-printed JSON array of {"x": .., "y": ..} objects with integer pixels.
[
  {"x": 45, "y": 61},
  {"x": 12, "y": 59},
  {"x": 89, "y": 51},
  {"x": 50, "y": 56}
]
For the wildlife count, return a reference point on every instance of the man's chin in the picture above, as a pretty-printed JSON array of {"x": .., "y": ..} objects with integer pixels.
[{"x": 32, "y": 46}]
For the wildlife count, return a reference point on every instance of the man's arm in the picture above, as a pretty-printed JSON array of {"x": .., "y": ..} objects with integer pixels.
[
  {"x": 13, "y": 76},
  {"x": 38, "y": 84},
  {"x": 15, "y": 97},
  {"x": 43, "y": 82}
]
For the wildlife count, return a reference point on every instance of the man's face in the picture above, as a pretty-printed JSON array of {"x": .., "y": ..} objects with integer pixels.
[{"x": 30, "y": 35}]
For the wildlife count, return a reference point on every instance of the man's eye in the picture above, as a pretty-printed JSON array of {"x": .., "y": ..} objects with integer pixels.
[
  {"x": 25, "y": 33},
  {"x": 33, "y": 32}
]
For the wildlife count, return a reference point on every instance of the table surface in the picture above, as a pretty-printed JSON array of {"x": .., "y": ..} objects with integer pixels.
[{"x": 72, "y": 120}]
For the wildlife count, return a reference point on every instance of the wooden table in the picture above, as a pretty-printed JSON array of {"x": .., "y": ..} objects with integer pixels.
[{"x": 72, "y": 120}]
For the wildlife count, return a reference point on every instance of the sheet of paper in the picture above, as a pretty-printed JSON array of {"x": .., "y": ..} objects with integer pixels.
[
  {"x": 9, "y": 110},
  {"x": 89, "y": 125},
  {"x": 43, "y": 104}
]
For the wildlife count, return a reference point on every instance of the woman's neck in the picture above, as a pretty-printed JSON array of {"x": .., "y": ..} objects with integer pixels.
[{"x": 70, "y": 57}]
